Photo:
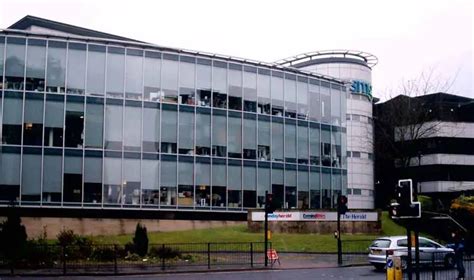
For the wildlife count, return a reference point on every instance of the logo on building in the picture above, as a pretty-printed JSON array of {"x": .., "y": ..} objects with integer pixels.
[{"x": 360, "y": 87}]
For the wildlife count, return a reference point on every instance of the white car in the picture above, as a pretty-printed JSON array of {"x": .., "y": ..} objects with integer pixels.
[{"x": 397, "y": 246}]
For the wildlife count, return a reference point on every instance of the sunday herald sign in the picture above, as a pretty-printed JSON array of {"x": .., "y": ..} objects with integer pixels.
[{"x": 315, "y": 216}]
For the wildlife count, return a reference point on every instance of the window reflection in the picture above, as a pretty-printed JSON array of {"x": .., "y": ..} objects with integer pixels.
[
  {"x": 76, "y": 68},
  {"x": 56, "y": 67},
  {"x": 15, "y": 63},
  {"x": 36, "y": 65}
]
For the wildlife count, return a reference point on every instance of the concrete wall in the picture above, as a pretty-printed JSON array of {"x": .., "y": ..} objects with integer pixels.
[{"x": 90, "y": 226}]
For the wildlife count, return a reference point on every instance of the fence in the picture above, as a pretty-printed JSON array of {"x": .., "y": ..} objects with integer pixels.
[
  {"x": 439, "y": 266},
  {"x": 355, "y": 252},
  {"x": 115, "y": 259}
]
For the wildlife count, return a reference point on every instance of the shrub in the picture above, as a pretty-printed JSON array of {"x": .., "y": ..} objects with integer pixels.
[
  {"x": 103, "y": 253},
  {"x": 76, "y": 246},
  {"x": 164, "y": 252},
  {"x": 140, "y": 241},
  {"x": 12, "y": 236}
]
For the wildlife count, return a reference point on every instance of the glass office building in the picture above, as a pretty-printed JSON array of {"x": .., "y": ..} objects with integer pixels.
[{"x": 94, "y": 122}]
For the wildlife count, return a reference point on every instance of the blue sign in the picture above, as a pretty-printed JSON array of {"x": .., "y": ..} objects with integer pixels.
[
  {"x": 360, "y": 87},
  {"x": 389, "y": 263}
]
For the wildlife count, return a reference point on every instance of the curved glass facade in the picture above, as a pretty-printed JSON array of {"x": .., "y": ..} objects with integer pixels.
[{"x": 87, "y": 124}]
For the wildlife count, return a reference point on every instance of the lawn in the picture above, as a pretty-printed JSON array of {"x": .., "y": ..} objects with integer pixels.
[{"x": 282, "y": 241}]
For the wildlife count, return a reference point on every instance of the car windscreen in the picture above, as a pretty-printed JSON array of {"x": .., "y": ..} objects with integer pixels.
[{"x": 381, "y": 243}]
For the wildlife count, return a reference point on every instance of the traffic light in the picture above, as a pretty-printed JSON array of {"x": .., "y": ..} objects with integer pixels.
[
  {"x": 403, "y": 192},
  {"x": 270, "y": 206},
  {"x": 341, "y": 205},
  {"x": 405, "y": 207}
]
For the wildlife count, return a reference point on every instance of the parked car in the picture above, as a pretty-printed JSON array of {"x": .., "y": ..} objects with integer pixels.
[{"x": 397, "y": 246}]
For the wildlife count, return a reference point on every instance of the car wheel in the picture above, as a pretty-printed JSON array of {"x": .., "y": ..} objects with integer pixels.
[
  {"x": 449, "y": 261},
  {"x": 379, "y": 266}
]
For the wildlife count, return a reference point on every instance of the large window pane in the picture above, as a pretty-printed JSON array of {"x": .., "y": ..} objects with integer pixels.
[
  {"x": 185, "y": 184},
  {"x": 31, "y": 177},
  {"x": 115, "y": 71},
  {"x": 169, "y": 77},
  {"x": 335, "y": 107},
  {"x": 315, "y": 146},
  {"x": 131, "y": 181},
  {"x": 263, "y": 140},
  {"x": 303, "y": 189},
  {"x": 72, "y": 191},
  {"x": 325, "y": 103},
  {"x": 56, "y": 67},
  {"x": 113, "y": 127},
  {"x": 52, "y": 181},
  {"x": 74, "y": 134},
  {"x": 76, "y": 68},
  {"x": 152, "y": 76},
  {"x": 169, "y": 123},
  {"x": 54, "y": 119},
  {"x": 219, "y": 184},
  {"x": 219, "y": 135},
  {"x": 186, "y": 133},
  {"x": 168, "y": 183},
  {"x": 93, "y": 180},
  {"x": 151, "y": 133},
  {"x": 277, "y": 141},
  {"x": 303, "y": 145},
  {"x": 203, "y": 183},
  {"x": 134, "y": 79},
  {"x": 263, "y": 92},
  {"x": 326, "y": 189},
  {"x": 94, "y": 125},
  {"x": 336, "y": 149},
  {"x": 263, "y": 185},
  {"x": 9, "y": 176},
  {"x": 133, "y": 128},
  {"x": 315, "y": 189},
  {"x": 250, "y": 186},
  {"x": 150, "y": 182},
  {"x": 302, "y": 93},
  {"x": 203, "y": 82},
  {"x": 290, "y": 188},
  {"x": 290, "y": 96},
  {"x": 186, "y": 81},
  {"x": 290, "y": 142},
  {"x": 235, "y": 87},
  {"x": 15, "y": 63},
  {"x": 35, "y": 65},
  {"x": 219, "y": 84},
  {"x": 235, "y": 186},
  {"x": 277, "y": 94},
  {"x": 33, "y": 121},
  {"x": 314, "y": 100},
  {"x": 250, "y": 138},
  {"x": 112, "y": 181},
  {"x": 326, "y": 159},
  {"x": 96, "y": 71},
  {"x": 203, "y": 134},
  {"x": 278, "y": 187},
  {"x": 250, "y": 89},
  {"x": 235, "y": 137},
  {"x": 2, "y": 48},
  {"x": 12, "y": 120}
]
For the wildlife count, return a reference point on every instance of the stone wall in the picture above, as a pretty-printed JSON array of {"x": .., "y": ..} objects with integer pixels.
[{"x": 107, "y": 226}]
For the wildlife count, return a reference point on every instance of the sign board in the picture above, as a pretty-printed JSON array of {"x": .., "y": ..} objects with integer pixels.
[
  {"x": 315, "y": 216},
  {"x": 361, "y": 87}
]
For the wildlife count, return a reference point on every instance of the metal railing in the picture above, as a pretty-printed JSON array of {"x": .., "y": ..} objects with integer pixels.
[
  {"x": 441, "y": 266},
  {"x": 355, "y": 252},
  {"x": 118, "y": 259}
]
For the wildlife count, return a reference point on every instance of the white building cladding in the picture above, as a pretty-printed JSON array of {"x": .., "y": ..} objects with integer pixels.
[
  {"x": 355, "y": 68},
  {"x": 94, "y": 120}
]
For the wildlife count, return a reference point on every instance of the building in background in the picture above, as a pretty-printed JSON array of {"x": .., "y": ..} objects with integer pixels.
[
  {"x": 97, "y": 123},
  {"x": 437, "y": 149},
  {"x": 355, "y": 68}
]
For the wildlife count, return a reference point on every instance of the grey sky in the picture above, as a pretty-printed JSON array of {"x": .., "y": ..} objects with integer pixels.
[{"x": 407, "y": 36}]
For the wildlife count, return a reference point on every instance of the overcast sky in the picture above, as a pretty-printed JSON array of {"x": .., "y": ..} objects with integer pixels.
[{"x": 407, "y": 36}]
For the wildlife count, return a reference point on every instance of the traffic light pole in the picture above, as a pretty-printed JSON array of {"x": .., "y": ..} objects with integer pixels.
[
  {"x": 409, "y": 262},
  {"x": 265, "y": 231},
  {"x": 339, "y": 245}
]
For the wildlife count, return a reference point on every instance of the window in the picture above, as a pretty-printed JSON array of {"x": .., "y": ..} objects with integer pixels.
[
  {"x": 2, "y": 48},
  {"x": 203, "y": 183},
  {"x": 263, "y": 185},
  {"x": 277, "y": 141},
  {"x": 290, "y": 188},
  {"x": 250, "y": 186},
  {"x": 302, "y": 93},
  {"x": 35, "y": 65},
  {"x": 315, "y": 104},
  {"x": 203, "y": 134},
  {"x": 185, "y": 183},
  {"x": 72, "y": 190},
  {"x": 263, "y": 152},
  {"x": 290, "y": 142},
  {"x": 219, "y": 84},
  {"x": 134, "y": 72},
  {"x": 335, "y": 106},
  {"x": 250, "y": 137},
  {"x": 112, "y": 192},
  {"x": 250, "y": 89},
  {"x": 33, "y": 121},
  {"x": 12, "y": 120},
  {"x": 278, "y": 187},
  {"x": 303, "y": 145},
  {"x": 235, "y": 87},
  {"x": 150, "y": 182},
  {"x": 115, "y": 72},
  {"x": 219, "y": 183},
  {"x": 277, "y": 94},
  {"x": 219, "y": 134},
  {"x": 303, "y": 189},
  {"x": 133, "y": 128},
  {"x": 53, "y": 122},
  {"x": 76, "y": 68},
  {"x": 131, "y": 182},
  {"x": 74, "y": 134},
  {"x": 356, "y": 191},
  {"x": 263, "y": 92},
  {"x": 56, "y": 67},
  {"x": 186, "y": 133},
  {"x": 15, "y": 63},
  {"x": 326, "y": 148},
  {"x": 325, "y": 189},
  {"x": 336, "y": 152},
  {"x": 152, "y": 76},
  {"x": 235, "y": 137},
  {"x": 31, "y": 176},
  {"x": 93, "y": 181},
  {"x": 235, "y": 186},
  {"x": 151, "y": 135},
  {"x": 94, "y": 125},
  {"x": 168, "y": 183},
  {"x": 203, "y": 82},
  {"x": 169, "y": 123},
  {"x": 9, "y": 176},
  {"x": 170, "y": 78},
  {"x": 315, "y": 189},
  {"x": 113, "y": 127},
  {"x": 290, "y": 96},
  {"x": 325, "y": 103},
  {"x": 52, "y": 178},
  {"x": 186, "y": 80}
]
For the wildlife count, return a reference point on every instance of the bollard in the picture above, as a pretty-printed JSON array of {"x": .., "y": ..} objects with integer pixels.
[{"x": 394, "y": 268}]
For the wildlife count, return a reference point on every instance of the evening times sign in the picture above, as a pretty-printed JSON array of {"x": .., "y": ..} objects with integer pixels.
[
  {"x": 316, "y": 216},
  {"x": 360, "y": 87}
]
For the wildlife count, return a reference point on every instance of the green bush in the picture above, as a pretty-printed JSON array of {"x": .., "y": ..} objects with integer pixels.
[
  {"x": 140, "y": 241},
  {"x": 75, "y": 246},
  {"x": 103, "y": 253},
  {"x": 164, "y": 252},
  {"x": 12, "y": 236}
]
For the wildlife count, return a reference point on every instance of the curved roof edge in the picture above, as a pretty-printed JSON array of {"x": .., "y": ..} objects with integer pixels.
[
  {"x": 276, "y": 66},
  {"x": 325, "y": 56}
]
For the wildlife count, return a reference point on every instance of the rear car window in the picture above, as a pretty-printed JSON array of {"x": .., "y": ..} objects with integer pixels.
[
  {"x": 381, "y": 243},
  {"x": 402, "y": 243}
]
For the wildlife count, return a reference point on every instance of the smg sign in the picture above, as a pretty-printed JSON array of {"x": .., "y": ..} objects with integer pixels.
[{"x": 360, "y": 87}]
